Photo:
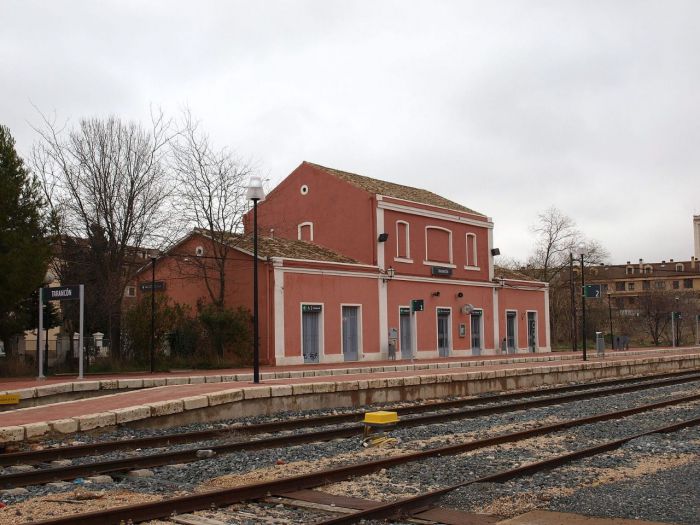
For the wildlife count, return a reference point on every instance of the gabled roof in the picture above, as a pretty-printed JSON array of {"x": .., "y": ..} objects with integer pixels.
[
  {"x": 286, "y": 248},
  {"x": 390, "y": 189},
  {"x": 505, "y": 273}
]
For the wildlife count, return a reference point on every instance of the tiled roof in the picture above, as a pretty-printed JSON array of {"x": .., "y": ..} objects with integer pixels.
[
  {"x": 287, "y": 248},
  {"x": 398, "y": 191},
  {"x": 504, "y": 273},
  {"x": 659, "y": 271}
]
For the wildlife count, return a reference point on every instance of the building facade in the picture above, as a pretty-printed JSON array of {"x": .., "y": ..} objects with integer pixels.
[{"x": 355, "y": 269}]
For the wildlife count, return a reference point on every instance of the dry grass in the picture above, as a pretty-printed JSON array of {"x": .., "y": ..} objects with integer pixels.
[{"x": 67, "y": 503}]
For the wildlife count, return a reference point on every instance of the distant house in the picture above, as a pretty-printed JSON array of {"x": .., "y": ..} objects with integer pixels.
[{"x": 358, "y": 269}]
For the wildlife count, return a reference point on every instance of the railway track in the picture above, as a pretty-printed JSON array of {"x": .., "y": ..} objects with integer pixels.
[
  {"x": 45, "y": 475},
  {"x": 261, "y": 490},
  {"x": 596, "y": 389}
]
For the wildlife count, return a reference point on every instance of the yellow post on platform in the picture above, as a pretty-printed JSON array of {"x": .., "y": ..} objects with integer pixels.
[{"x": 9, "y": 399}]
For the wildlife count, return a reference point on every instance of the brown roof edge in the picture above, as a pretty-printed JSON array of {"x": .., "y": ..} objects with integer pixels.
[{"x": 396, "y": 191}]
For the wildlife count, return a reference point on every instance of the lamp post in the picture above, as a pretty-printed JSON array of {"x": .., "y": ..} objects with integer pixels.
[
  {"x": 582, "y": 252},
  {"x": 153, "y": 310},
  {"x": 612, "y": 335},
  {"x": 255, "y": 194}
]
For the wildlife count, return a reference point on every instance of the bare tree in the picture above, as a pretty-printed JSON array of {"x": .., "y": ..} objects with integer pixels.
[
  {"x": 655, "y": 309},
  {"x": 557, "y": 238},
  {"x": 211, "y": 197},
  {"x": 105, "y": 182}
]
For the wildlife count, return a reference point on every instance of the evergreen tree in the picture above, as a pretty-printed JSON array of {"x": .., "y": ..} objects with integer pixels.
[{"x": 24, "y": 247}]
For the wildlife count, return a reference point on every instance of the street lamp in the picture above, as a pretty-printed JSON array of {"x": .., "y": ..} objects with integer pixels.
[
  {"x": 581, "y": 252},
  {"x": 255, "y": 194}
]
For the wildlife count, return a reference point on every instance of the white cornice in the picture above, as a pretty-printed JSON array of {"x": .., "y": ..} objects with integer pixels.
[{"x": 432, "y": 214}]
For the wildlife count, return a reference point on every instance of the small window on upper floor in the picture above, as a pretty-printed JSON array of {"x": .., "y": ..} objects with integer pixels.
[
  {"x": 130, "y": 291},
  {"x": 403, "y": 246},
  {"x": 438, "y": 245},
  {"x": 630, "y": 287},
  {"x": 620, "y": 286},
  {"x": 629, "y": 270},
  {"x": 305, "y": 231},
  {"x": 472, "y": 260},
  {"x": 646, "y": 285},
  {"x": 676, "y": 285},
  {"x": 648, "y": 269},
  {"x": 660, "y": 285},
  {"x": 680, "y": 267},
  {"x": 687, "y": 283}
]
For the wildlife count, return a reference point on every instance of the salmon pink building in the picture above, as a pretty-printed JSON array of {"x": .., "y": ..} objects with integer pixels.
[{"x": 358, "y": 269}]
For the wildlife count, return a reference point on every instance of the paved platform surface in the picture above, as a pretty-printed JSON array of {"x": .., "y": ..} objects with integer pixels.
[{"x": 208, "y": 388}]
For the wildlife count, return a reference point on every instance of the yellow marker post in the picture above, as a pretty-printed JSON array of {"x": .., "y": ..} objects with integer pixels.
[
  {"x": 375, "y": 425},
  {"x": 9, "y": 399}
]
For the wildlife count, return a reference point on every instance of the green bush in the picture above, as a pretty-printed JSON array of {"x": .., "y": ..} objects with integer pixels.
[{"x": 228, "y": 332}]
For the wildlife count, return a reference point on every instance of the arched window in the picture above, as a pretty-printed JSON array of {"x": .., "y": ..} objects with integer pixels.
[
  {"x": 438, "y": 245},
  {"x": 629, "y": 270},
  {"x": 648, "y": 268},
  {"x": 306, "y": 231},
  {"x": 472, "y": 260},
  {"x": 403, "y": 247},
  {"x": 680, "y": 267}
]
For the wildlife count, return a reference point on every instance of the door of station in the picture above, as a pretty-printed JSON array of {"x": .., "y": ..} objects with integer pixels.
[
  {"x": 510, "y": 331},
  {"x": 311, "y": 333},
  {"x": 351, "y": 333},
  {"x": 443, "y": 327},
  {"x": 476, "y": 332},
  {"x": 532, "y": 331},
  {"x": 405, "y": 333}
]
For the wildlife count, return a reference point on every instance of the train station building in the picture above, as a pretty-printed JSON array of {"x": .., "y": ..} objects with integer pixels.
[{"x": 359, "y": 269}]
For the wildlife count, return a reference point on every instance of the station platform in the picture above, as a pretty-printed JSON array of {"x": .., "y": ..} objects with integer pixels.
[{"x": 168, "y": 399}]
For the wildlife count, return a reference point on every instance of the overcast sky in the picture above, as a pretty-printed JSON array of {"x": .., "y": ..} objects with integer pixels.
[{"x": 507, "y": 107}]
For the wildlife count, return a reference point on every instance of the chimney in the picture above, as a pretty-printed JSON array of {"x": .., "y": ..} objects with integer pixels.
[
  {"x": 692, "y": 262},
  {"x": 696, "y": 231},
  {"x": 641, "y": 265},
  {"x": 670, "y": 260}
]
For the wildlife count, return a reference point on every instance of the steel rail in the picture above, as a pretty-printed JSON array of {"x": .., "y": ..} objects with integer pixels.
[
  {"x": 34, "y": 477},
  {"x": 220, "y": 497},
  {"x": 50, "y": 454},
  {"x": 421, "y": 502}
]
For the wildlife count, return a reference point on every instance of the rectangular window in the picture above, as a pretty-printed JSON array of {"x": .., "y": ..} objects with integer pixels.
[
  {"x": 438, "y": 245},
  {"x": 660, "y": 285},
  {"x": 402, "y": 240},
  {"x": 687, "y": 283},
  {"x": 646, "y": 285},
  {"x": 130, "y": 291},
  {"x": 471, "y": 251},
  {"x": 676, "y": 285},
  {"x": 630, "y": 287},
  {"x": 620, "y": 287}
]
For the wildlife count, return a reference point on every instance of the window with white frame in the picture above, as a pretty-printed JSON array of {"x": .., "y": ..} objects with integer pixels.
[
  {"x": 403, "y": 247},
  {"x": 305, "y": 231},
  {"x": 438, "y": 245},
  {"x": 680, "y": 267},
  {"x": 472, "y": 261},
  {"x": 130, "y": 291}
]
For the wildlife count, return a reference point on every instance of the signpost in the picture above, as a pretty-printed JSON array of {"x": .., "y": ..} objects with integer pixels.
[
  {"x": 61, "y": 293},
  {"x": 157, "y": 286},
  {"x": 592, "y": 291}
]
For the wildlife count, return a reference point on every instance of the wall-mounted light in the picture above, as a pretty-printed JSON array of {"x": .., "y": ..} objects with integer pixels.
[
  {"x": 495, "y": 251},
  {"x": 436, "y": 294},
  {"x": 388, "y": 274},
  {"x": 460, "y": 294},
  {"x": 383, "y": 237}
]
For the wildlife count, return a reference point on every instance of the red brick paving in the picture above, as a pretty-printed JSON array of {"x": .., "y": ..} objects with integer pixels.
[{"x": 76, "y": 408}]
